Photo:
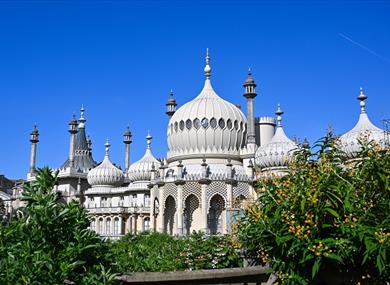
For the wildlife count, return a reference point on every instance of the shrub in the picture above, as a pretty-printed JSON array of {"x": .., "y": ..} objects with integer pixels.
[
  {"x": 161, "y": 252},
  {"x": 49, "y": 242},
  {"x": 324, "y": 218}
]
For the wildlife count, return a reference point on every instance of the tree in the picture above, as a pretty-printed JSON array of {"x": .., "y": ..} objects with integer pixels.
[
  {"x": 49, "y": 242},
  {"x": 326, "y": 218}
]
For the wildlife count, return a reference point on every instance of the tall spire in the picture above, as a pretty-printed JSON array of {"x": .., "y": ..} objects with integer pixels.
[
  {"x": 207, "y": 68},
  {"x": 362, "y": 98},
  {"x": 34, "y": 139},
  {"x": 148, "y": 140},
  {"x": 279, "y": 112}
]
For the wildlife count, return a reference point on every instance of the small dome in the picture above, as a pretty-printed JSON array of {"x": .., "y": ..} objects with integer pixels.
[
  {"x": 364, "y": 129},
  {"x": 207, "y": 125},
  {"x": 277, "y": 153},
  {"x": 105, "y": 174},
  {"x": 140, "y": 170}
]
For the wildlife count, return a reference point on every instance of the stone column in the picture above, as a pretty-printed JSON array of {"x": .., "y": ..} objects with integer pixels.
[
  {"x": 72, "y": 131},
  {"x": 120, "y": 227},
  {"x": 204, "y": 207},
  {"x": 134, "y": 222},
  {"x": 179, "y": 207},
  {"x": 141, "y": 219},
  {"x": 160, "y": 217}
]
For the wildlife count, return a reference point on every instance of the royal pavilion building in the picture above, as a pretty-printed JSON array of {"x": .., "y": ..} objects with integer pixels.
[{"x": 215, "y": 154}]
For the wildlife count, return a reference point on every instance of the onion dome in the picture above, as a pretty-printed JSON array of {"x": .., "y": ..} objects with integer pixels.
[
  {"x": 141, "y": 170},
  {"x": 206, "y": 126},
  {"x": 277, "y": 153},
  {"x": 363, "y": 130},
  {"x": 105, "y": 174}
]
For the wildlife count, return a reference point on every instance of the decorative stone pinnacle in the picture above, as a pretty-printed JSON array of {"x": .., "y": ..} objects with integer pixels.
[
  {"x": 362, "y": 98},
  {"x": 279, "y": 112},
  {"x": 148, "y": 139},
  {"x": 207, "y": 69},
  {"x": 107, "y": 147}
]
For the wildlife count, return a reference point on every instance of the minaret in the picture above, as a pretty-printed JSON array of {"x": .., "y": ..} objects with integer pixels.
[
  {"x": 127, "y": 141},
  {"x": 72, "y": 131},
  {"x": 250, "y": 94},
  {"x": 34, "y": 139},
  {"x": 171, "y": 105}
]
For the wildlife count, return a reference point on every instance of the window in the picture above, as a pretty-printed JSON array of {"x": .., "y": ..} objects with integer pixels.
[
  {"x": 108, "y": 226},
  {"x": 176, "y": 127},
  {"x": 197, "y": 124},
  {"x": 221, "y": 123},
  {"x": 229, "y": 124},
  {"x": 116, "y": 227},
  {"x": 100, "y": 226},
  {"x": 181, "y": 125},
  {"x": 213, "y": 123},
  {"x": 146, "y": 224},
  {"x": 236, "y": 125},
  {"x": 103, "y": 202},
  {"x": 205, "y": 123},
  {"x": 189, "y": 124},
  {"x": 147, "y": 200}
]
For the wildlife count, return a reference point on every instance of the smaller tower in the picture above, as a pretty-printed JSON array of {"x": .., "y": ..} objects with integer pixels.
[
  {"x": 171, "y": 105},
  {"x": 127, "y": 141},
  {"x": 72, "y": 131},
  {"x": 34, "y": 139},
  {"x": 250, "y": 94}
]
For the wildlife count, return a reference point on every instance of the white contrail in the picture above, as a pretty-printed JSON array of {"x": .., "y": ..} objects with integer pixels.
[{"x": 364, "y": 47}]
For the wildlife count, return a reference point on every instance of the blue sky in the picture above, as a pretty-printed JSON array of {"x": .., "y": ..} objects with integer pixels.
[{"x": 121, "y": 58}]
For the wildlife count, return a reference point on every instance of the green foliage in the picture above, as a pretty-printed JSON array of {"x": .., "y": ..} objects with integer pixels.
[
  {"x": 324, "y": 217},
  {"x": 49, "y": 242},
  {"x": 161, "y": 252}
]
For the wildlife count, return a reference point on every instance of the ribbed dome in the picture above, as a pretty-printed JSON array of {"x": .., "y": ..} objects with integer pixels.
[
  {"x": 105, "y": 174},
  {"x": 140, "y": 170},
  {"x": 207, "y": 125},
  {"x": 278, "y": 152},
  {"x": 363, "y": 130}
]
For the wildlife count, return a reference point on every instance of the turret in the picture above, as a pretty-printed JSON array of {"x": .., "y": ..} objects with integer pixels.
[
  {"x": 72, "y": 131},
  {"x": 171, "y": 105},
  {"x": 250, "y": 95},
  {"x": 265, "y": 130},
  {"x": 127, "y": 141},
  {"x": 34, "y": 139}
]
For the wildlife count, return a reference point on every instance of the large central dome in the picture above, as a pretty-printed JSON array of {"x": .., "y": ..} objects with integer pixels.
[{"x": 207, "y": 126}]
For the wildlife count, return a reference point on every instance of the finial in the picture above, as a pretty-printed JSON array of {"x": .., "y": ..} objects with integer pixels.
[
  {"x": 362, "y": 98},
  {"x": 107, "y": 146},
  {"x": 207, "y": 69},
  {"x": 148, "y": 139},
  {"x": 82, "y": 110},
  {"x": 279, "y": 114},
  {"x": 249, "y": 71}
]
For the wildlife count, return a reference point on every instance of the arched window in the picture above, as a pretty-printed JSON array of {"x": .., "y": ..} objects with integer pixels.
[
  {"x": 146, "y": 224},
  {"x": 217, "y": 205},
  {"x": 221, "y": 123},
  {"x": 93, "y": 225},
  {"x": 213, "y": 123},
  {"x": 196, "y": 124},
  {"x": 169, "y": 215},
  {"x": 189, "y": 124},
  {"x": 229, "y": 124},
  {"x": 108, "y": 226},
  {"x": 190, "y": 205},
  {"x": 100, "y": 226},
  {"x": 181, "y": 125},
  {"x": 205, "y": 123},
  {"x": 116, "y": 226}
]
